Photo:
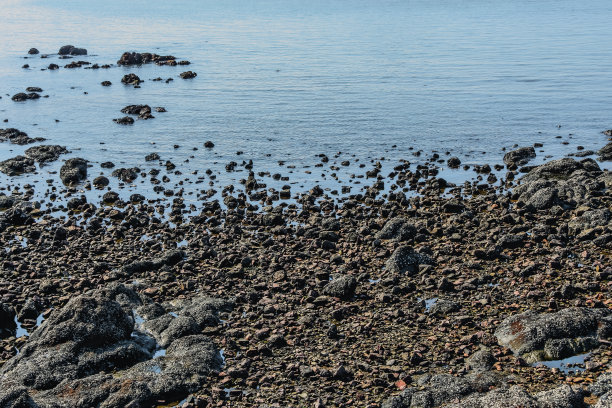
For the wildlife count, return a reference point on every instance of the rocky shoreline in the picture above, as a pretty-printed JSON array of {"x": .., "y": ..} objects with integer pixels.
[{"x": 414, "y": 293}]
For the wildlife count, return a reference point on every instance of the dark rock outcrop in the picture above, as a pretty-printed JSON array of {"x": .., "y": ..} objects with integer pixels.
[
  {"x": 136, "y": 58},
  {"x": 18, "y": 137},
  {"x": 554, "y": 336},
  {"x": 72, "y": 50},
  {"x": 519, "y": 156},
  {"x": 17, "y": 165},
  {"x": 45, "y": 153},
  {"x": 96, "y": 352},
  {"x": 73, "y": 171}
]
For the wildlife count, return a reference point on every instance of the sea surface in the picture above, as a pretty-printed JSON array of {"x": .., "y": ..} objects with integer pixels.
[{"x": 285, "y": 81}]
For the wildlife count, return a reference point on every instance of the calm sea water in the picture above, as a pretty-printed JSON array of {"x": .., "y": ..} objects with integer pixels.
[{"x": 284, "y": 80}]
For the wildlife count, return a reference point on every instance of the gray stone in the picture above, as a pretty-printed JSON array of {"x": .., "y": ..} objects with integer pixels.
[
  {"x": 342, "y": 287},
  {"x": 405, "y": 260},
  {"x": 398, "y": 228}
]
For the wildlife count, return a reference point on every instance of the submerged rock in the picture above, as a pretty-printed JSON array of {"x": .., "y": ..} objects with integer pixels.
[{"x": 131, "y": 79}]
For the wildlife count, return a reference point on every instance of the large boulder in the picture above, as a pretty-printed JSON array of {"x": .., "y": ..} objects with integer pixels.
[
  {"x": 73, "y": 171},
  {"x": 342, "y": 287},
  {"x": 554, "y": 336},
  {"x": 72, "y": 50},
  {"x": 95, "y": 351}
]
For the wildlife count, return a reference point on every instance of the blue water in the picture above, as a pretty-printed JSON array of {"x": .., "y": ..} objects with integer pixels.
[{"x": 287, "y": 80}]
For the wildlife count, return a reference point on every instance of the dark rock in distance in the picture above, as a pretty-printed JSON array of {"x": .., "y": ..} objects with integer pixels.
[
  {"x": 126, "y": 120},
  {"x": 188, "y": 75},
  {"x": 33, "y": 51},
  {"x": 72, "y": 50}
]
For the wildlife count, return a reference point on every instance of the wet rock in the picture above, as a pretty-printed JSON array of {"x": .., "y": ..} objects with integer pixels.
[
  {"x": 151, "y": 157},
  {"x": 605, "y": 153},
  {"x": 566, "y": 183},
  {"x": 106, "y": 83},
  {"x": 100, "y": 181},
  {"x": 20, "y": 97},
  {"x": 143, "y": 111},
  {"x": 17, "y": 165},
  {"x": 53, "y": 67},
  {"x": 126, "y": 120},
  {"x": 209, "y": 145},
  {"x": 136, "y": 58},
  {"x": 405, "y": 260},
  {"x": 131, "y": 79},
  {"x": 72, "y": 50},
  {"x": 342, "y": 287},
  {"x": 33, "y": 51},
  {"x": 110, "y": 197},
  {"x": 33, "y": 89},
  {"x": 18, "y": 137},
  {"x": 453, "y": 162},
  {"x": 188, "y": 75},
  {"x": 45, "y": 153},
  {"x": 554, "y": 336},
  {"x": 399, "y": 229},
  {"x": 126, "y": 175},
  {"x": 519, "y": 156},
  {"x": 73, "y": 171},
  {"x": 7, "y": 321}
]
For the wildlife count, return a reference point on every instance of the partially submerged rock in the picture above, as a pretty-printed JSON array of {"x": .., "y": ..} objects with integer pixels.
[
  {"x": 143, "y": 111},
  {"x": 72, "y": 50},
  {"x": 45, "y": 153},
  {"x": 17, "y": 165},
  {"x": 126, "y": 175},
  {"x": 519, "y": 156},
  {"x": 18, "y": 137},
  {"x": 136, "y": 58},
  {"x": 73, "y": 171}
]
